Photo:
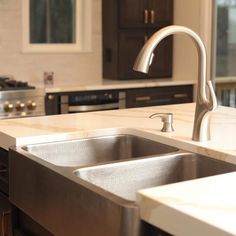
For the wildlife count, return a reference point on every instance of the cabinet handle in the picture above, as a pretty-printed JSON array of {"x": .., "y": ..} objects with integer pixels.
[
  {"x": 145, "y": 16},
  {"x": 50, "y": 97},
  {"x": 144, "y": 98},
  {"x": 145, "y": 39},
  {"x": 180, "y": 95},
  {"x": 152, "y": 14},
  {"x": 4, "y": 220}
]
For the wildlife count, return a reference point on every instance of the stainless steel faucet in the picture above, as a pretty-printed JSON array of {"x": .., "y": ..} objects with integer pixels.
[{"x": 201, "y": 127}]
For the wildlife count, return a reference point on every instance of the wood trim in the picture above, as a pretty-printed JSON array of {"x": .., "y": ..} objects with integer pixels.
[{"x": 83, "y": 31}]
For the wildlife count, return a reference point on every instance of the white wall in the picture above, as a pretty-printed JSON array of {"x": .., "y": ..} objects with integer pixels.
[
  {"x": 186, "y": 13},
  {"x": 197, "y": 15},
  {"x": 73, "y": 67}
]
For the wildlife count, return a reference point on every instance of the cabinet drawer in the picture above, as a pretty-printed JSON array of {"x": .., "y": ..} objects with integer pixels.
[
  {"x": 159, "y": 96},
  {"x": 4, "y": 179},
  {"x": 5, "y": 216}
]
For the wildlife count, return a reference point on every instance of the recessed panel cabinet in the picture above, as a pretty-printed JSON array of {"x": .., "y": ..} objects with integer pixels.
[
  {"x": 127, "y": 25},
  {"x": 130, "y": 42},
  {"x": 144, "y": 13}
]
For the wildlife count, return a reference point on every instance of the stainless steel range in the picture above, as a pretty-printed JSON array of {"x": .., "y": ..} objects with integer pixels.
[{"x": 18, "y": 99}]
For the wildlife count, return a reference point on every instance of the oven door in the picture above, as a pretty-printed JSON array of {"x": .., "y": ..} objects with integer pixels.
[
  {"x": 97, "y": 107},
  {"x": 96, "y": 101}
]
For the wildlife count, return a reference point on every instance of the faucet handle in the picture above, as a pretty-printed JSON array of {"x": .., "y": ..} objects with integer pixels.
[
  {"x": 167, "y": 119},
  {"x": 213, "y": 99}
]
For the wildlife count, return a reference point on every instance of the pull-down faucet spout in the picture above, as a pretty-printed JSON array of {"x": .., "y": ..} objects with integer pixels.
[{"x": 203, "y": 104}]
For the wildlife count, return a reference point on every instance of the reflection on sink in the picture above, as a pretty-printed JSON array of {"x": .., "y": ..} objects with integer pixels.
[
  {"x": 124, "y": 179},
  {"x": 100, "y": 149}
]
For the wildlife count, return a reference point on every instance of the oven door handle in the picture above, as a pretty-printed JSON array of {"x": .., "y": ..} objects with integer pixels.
[{"x": 100, "y": 107}]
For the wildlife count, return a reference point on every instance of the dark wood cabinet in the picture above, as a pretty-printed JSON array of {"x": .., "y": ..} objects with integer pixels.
[
  {"x": 143, "y": 97},
  {"x": 130, "y": 44},
  {"x": 132, "y": 13},
  {"x": 127, "y": 25},
  {"x": 5, "y": 205},
  {"x": 25, "y": 226},
  {"x": 5, "y": 216},
  {"x": 145, "y": 13},
  {"x": 52, "y": 104},
  {"x": 13, "y": 222}
]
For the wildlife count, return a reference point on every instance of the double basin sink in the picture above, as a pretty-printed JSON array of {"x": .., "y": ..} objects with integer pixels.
[{"x": 110, "y": 170}]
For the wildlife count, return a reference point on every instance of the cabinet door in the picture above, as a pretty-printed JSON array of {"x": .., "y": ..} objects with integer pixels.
[
  {"x": 160, "y": 12},
  {"x": 5, "y": 216},
  {"x": 130, "y": 43},
  {"x": 143, "y": 97},
  {"x": 162, "y": 62},
  {"x": 52, "y": 104},
  {"x": 133, "y": 13},
  {"x": 145, "y": 13}
]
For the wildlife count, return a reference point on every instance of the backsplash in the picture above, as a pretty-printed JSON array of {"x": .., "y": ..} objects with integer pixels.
[{"x": 70, "y": 67}]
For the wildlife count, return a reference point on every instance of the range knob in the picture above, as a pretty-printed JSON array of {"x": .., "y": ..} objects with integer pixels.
[
  {"x": 31, "y": 105},
  {"x": 8, "y": 107},
  {"x": 20, "y": 106}
]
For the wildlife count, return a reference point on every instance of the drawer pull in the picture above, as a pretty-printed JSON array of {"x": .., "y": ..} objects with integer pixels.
[
  {"x": 145, "y": 16},
  {"x": 145, "y": 98},
  {"x": 180, "y": 95},
  {"x": 51, "y": 97},
  {"x": 152, "y": 13},
  {"x": 99, "y": 107}
]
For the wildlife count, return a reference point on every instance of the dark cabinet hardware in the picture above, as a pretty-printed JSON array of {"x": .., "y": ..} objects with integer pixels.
[
  {"x": 152, "y": 15},
  {"x": 180, "y": 95},
  {"x": 145, "y": 98},
  {"x": 145, "y": 16}
]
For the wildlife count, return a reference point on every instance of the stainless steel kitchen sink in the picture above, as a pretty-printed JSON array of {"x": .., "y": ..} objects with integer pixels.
[
  {"x": 98, "y": 149},
  {"x": 124, "y": 179},
  {"x": 93, "y": 181}
]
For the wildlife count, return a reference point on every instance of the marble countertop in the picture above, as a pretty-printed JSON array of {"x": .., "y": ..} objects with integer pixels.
[
  {"x": 58, "y": 87},
  {"x": 203, "y": 207},
  {"x": 221, "y": 146}
]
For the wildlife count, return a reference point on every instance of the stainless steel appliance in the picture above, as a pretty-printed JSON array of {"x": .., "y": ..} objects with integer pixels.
[
  {"x": 18, "y": 99},
  {"x": 92, "y": 101}
]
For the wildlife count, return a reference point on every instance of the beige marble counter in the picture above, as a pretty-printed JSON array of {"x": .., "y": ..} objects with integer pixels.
[
  {"x": 113, "y": 84},
  {"x": 222, "y": 146},
  {"x": 202, "y": 207}
]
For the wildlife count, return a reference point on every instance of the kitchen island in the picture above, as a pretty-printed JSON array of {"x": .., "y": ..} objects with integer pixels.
[{"x": 222, "y": 146}]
